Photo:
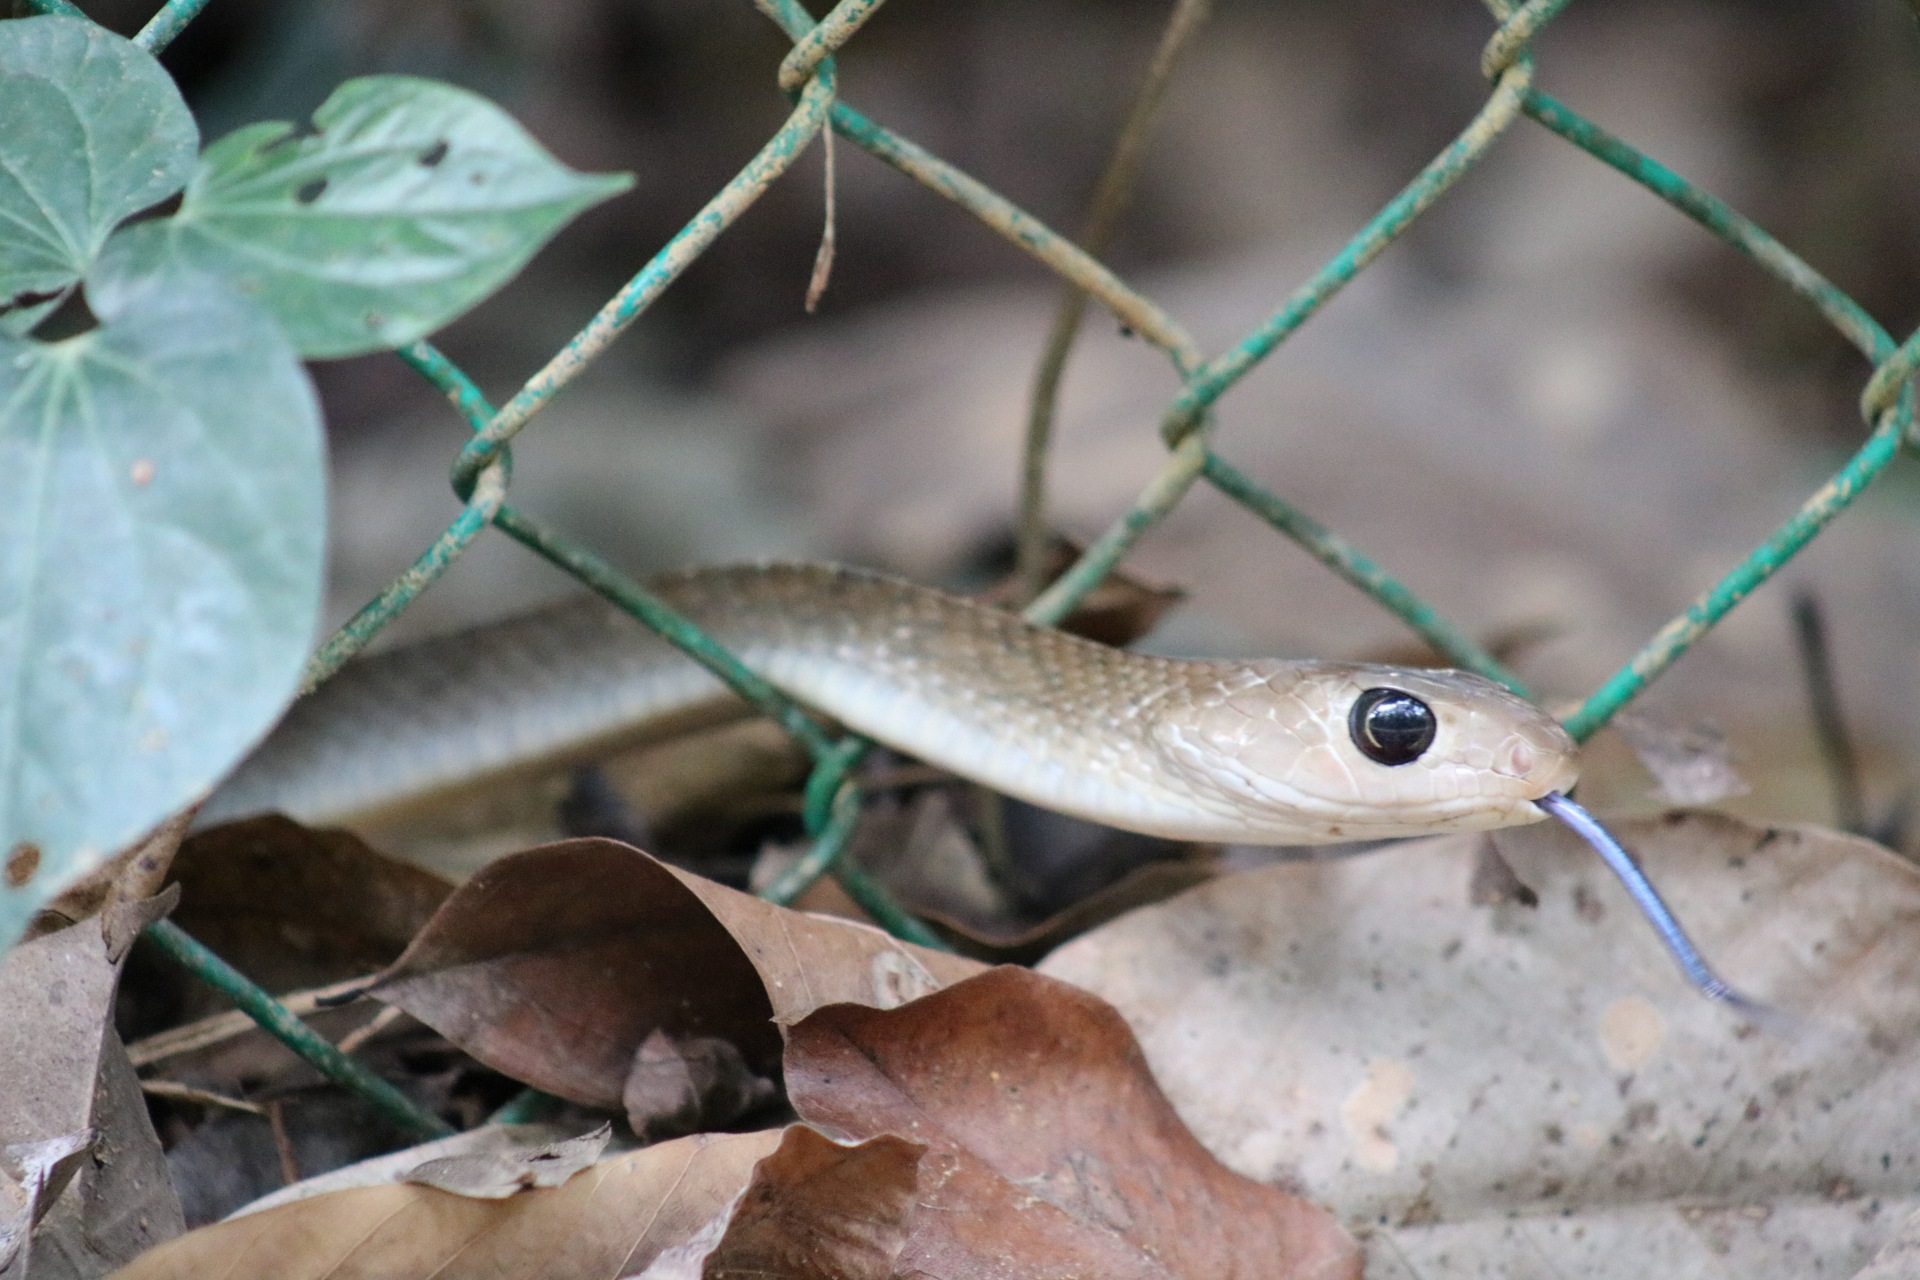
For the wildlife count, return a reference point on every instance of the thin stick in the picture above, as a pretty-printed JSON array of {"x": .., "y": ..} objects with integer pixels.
[
  {"x": 356, "y": 1040},
  {"x": 1829, "y": 726},
  {"x": 274, "y": 1019},
  {"x": 174, "y": 1091},
  {"x": 222, "y": 1027},
  {"x": 1110, "y": 202},
  {"x": 823, "y": 260},
  {"x": 282, "y": 1143}
]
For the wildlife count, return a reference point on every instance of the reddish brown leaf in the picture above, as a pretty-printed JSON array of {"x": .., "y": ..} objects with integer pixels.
[
  {"x": 555, "y": 966},
  {"x": 792, "y": 1204},
  {"x": 295, "y": 907},
  {"x": 817, "y": 1210},
  {"x": 1052, "y": 1151}
]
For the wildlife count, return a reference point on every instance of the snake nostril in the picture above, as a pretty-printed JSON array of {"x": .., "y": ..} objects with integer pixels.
[{"x": 1520, "y": 760}]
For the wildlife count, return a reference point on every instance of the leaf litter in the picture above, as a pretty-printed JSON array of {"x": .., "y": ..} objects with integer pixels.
[
  {"x": 1005, "y": 1125},
  {"x": 1462, "y": 1085},
  {"x": 589, "y": 970},
  {"x": 1478, "y": 1085},
  {"x": 83, "y": 1183}
]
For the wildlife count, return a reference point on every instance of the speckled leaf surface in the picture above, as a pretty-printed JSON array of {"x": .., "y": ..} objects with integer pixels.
[
  {"x": 161, "y": 531},
  {"x": 407, "y": 202},
  {"x": 95, "y": 132},
  {"x": 1486, "y": 1087}
]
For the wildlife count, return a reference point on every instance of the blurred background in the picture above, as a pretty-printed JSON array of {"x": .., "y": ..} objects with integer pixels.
[{"x": 1556, "y": 407}]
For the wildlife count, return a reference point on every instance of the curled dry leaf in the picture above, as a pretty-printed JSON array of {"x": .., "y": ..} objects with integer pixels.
[
  {"x": 1515, "y": 1083},
  {"x": 295, "y": 907},
  {"x": 611, "y": 1219},
  {"x": 495, "y": 1175},
  {"x": 788, "y": 1203},
  {"x": 557, "y": 964},
  {"x": 505, "y": 1141},
  {"x": 1051, "y": 1152},
  {"x": 64, "y": 1071},
  {"x": 815, "y": 1210}
]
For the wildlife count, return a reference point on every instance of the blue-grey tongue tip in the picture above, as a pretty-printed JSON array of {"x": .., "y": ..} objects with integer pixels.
[{"x": 1648, "y": 899}]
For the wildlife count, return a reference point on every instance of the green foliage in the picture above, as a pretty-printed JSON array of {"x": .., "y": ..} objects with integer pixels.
[
  {"x": 162, "y": 481},
  {"x": 95, "y": 132},
  {"x": 408, "y": 203},
  {"x": 162, "y": 534}
]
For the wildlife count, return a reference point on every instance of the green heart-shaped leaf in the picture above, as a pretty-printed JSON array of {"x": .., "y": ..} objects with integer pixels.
[
  {"x": 409, "y": 203},
  {"x": 95, "y": 132},
  {"x": 161, "y": 528}
]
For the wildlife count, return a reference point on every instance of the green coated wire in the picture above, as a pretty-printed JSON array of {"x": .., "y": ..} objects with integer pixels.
[
  {"x": 529, "y": 1106},
  {"x": 833, "y": 759},
  {"x": 482, "y": 471},
  {"x": 1435, "y": 180},
  {"x": 719, "y": 213},
  {"x": 1700, "y": 617},
  {"x": 1334, "y": 551},
  {"x": 168, "y": 23},
  {"x": 276, "y": 1021},
  {"x": 482, "y": 506},
  {"x": 829, "y": 842},
  {"x": 820, "y": 41},
  {"x": 1892, "y": 422}
]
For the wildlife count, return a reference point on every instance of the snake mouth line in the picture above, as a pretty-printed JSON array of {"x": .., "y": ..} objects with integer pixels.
[{"x": 1652, "y": 906}]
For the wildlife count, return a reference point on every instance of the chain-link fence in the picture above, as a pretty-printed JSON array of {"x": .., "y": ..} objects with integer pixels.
[{"x": 481, "y": 471}]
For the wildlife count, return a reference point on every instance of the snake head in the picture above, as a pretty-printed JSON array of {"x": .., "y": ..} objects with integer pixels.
[{"x": 1314, "y": 753}]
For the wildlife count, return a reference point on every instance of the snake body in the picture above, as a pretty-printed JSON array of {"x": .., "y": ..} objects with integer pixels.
[{"x": 1259, "y": 752}]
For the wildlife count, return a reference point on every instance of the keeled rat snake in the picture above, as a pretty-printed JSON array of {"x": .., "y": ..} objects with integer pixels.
[{"x": 1257, "y": 752}]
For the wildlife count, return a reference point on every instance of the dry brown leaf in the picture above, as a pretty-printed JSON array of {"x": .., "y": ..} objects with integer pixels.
[
  {"x": 1509, "y": 1083},
  {"x": 295, "y": 907},
  {"x": 32, "y": 1176},
  {"x": 64, "y": 1071},
  {"x": 505, "y": 1141},
  {"x": 1051, "y": 1150},
  {"x": 556, "y": 964},
  {"x": 673, "y": 1087},
  {"x": 815, "y": 1210},
  {"x": 121, "y": 1201},
  {"x": 789, "y": 1203},
  {"x": 611, "y": 1219},
  {"x": 1792, "y": 1238},
  {"x": 497, "y": 1174},
  {"x": 56, "y": 994}
]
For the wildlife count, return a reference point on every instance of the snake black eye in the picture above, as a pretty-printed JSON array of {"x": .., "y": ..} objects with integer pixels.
[{"x": 1391, "y": 727}]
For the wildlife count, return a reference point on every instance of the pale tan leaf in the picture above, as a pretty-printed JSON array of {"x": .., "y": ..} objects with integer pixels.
[
  {"x": 1357, "y": 1029},
  {"x": 611, "y": 1219}
]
